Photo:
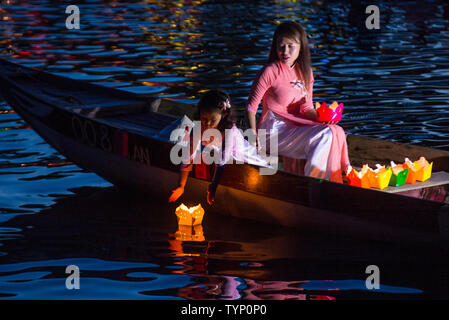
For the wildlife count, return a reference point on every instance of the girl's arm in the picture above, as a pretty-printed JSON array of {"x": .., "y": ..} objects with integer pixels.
[
  {"x": 183, "y": 175},
  {"x": 184, "y": 171},
  {"x": 176, "y": 193}
]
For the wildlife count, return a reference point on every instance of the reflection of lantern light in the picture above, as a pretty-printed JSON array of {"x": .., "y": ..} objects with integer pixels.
[
  {"x": 199, "y": 234},
  {"x": 189, "y": 216},
  {"x": 253, "y": 178},
  {"x": 184, "y": 233}
]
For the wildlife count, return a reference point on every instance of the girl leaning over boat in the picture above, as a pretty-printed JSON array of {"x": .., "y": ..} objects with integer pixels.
[
  {"x": 214, "y": 111},
  {"x": 285, "y": 88}
]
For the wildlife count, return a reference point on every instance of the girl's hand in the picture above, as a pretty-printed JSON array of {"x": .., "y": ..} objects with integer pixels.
[
  {"x": 176, "y": 194},
  {"x": 211, "y": 194}
]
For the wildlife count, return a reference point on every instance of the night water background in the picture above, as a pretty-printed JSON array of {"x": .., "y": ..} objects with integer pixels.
[{"x": 393, "y": 82}]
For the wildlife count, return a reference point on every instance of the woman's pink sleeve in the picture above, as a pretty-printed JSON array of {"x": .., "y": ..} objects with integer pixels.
[
  {"x": 261, "y": 84},
  {"x": 309, "y": 99}
]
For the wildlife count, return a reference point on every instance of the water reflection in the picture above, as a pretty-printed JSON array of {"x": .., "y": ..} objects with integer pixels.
[
  {"x": 175, "y": 49},
  {"x": 100, "y": 228}
]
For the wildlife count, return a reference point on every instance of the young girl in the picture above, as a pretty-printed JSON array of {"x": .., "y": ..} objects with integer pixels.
[
  {"x": 214, "y": 112},
  {"x": 285, "y": 88}
]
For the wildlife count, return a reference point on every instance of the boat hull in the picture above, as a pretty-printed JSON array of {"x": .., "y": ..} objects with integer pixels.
[{"x": 136, "y": 161}]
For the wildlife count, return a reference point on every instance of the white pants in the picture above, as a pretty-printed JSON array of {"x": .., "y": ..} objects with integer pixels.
[{"x": 312, "y": 143}]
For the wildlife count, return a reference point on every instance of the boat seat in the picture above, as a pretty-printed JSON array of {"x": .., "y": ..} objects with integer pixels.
[
  {"x": 148, "y": 123},
  {"x": 114, "y": 109}
]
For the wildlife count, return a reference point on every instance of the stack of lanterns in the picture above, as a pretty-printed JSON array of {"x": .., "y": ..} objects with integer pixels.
[{"x": 394, "y": 175}]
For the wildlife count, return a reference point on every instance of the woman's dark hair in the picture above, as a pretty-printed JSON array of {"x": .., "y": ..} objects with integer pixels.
[
  {"x": 213, "y": 101},
  {"x": 294, "y": 31}
]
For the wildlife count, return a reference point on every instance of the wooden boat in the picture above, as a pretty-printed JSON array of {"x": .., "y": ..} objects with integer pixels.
[{"x": 116, "y": 134}]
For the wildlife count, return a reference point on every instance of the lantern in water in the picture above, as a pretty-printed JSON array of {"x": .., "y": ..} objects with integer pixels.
[
  {"x": 380, "y": 177},
  {"x": 189, "y": 233},
  {"x": 189, "y": 216},
  {"x": 358, "y": 178},
  {"x": 329, "y": 113}
]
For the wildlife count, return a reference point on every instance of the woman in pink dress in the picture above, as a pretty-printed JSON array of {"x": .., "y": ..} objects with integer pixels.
[{"x": 285, "y": 88}]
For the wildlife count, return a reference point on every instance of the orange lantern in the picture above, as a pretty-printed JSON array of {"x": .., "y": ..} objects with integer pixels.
[
  {"x": 198, "y": 233},
  {"x": 380, "y": 177},
  {"x": 189, "y": 216},
  {"x": 189, "y": 233},
  {"x": 412, "y": 170},
  {"x": 421, "y": 169},
  {"x": 358, "y": 179}
]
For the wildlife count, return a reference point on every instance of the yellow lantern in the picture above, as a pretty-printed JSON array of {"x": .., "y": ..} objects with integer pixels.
[
  {"x": 189, "y": 216},
  {"x": 189, "y": 233}
]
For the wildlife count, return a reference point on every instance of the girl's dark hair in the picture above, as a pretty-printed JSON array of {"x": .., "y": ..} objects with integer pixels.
[
  {"x": 213, "y": 101},
  {"x": 294, "y": 31}
]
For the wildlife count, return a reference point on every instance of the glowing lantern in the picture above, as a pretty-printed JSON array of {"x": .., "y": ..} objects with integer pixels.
[
  {"x": 358, "y": 179},
  {"x": 329, "y": 113},
  {"x": 189, "y": 216},
  {"x": 421, "y": 169},
  {"x": 399, "y": 174},
  {"x": 184, "y": 233},
  {"x": 380, "y": 177},
  {"x": 198, "y": 233}
]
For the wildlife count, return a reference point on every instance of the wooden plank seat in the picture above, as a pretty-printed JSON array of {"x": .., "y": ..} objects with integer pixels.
[{"x": 147, "y": 123}]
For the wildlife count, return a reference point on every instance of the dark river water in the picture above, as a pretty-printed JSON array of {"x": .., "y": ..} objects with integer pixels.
[{"x": 393, "y": 82}]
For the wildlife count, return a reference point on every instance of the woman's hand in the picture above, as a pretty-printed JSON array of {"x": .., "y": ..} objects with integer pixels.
[
  {"x": 255, "y": 142},
  {"x": 311, "y": 114},
  {"x": 211, "y": 194},
  {"x": 176, "y": 194}
]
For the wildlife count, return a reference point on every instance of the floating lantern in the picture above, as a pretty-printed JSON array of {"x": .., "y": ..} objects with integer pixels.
[
  {"x": 184, "y": 233},
  {"x": 329, "y": 113},
  {"x": 189, "y": 216},
  {"x": 189, "y": 233},
  {"x": 421, "y": 169},
  {"x": 198, "y": 233},
  {"x": 380, "y": 177},
  {"x": 398, "y": 174},
  {"x": 358, "y": 179}
]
